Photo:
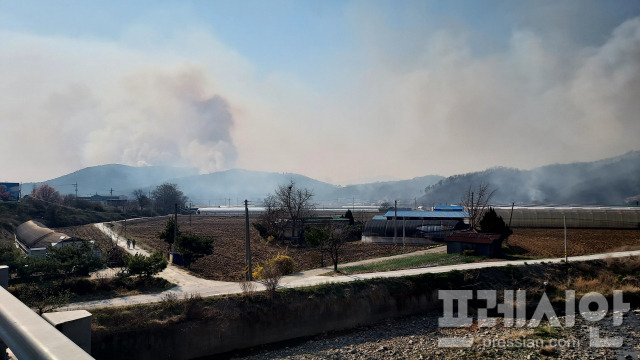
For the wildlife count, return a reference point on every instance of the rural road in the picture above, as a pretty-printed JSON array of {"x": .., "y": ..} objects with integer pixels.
[{"x": 187, "y": 284}]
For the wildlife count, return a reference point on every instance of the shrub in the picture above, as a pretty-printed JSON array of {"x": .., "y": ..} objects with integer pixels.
[
  {"x": 271, "y": 277},
  {"x": 284, "y": 264},
  {"x": 469, "y": 252},
  {"x": 272, "y": 270},
  {"x": 145, "y": 266},
  {"x": 42, "y": 297},
  {"x": 193, "y": 247}
]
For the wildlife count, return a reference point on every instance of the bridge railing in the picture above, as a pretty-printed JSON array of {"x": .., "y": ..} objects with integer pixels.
[{"x": 28, "y": 335}]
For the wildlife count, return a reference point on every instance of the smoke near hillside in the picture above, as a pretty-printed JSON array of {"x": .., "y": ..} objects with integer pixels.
[
  {"x": 166, "y": 118},
  {"x": 107, "y": 104},
  {"x": 610, "y": 181},
  {"x": 606, "y": 182}
]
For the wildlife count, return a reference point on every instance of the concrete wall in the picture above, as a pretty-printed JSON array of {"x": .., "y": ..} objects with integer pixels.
[
  {"x": 299, "y": 319},
  {"x": 76, "y": 325}
]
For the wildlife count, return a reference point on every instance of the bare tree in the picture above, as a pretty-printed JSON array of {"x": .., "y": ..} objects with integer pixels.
[
  {"x": 296, "y": 202},
  {"x": 142, "y": 198},
  {"x": 47, "y": 193},
  {"x": 476, "y": 201},
  {"x": 166, "y": 196},
  {"x": 337, "y": 238},
  {"x": 272, "y": 216}
]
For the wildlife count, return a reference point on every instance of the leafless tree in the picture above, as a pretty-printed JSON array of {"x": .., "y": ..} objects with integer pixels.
[
  {"x": 296, "y": 202},
  {"x": 337, "y": 238},
  {"x": 47, "y": 193},
  {"x": 476, "y": 201},
  {"x": 166, "y": 196},
  {"x": 142, "y": 198},
  {"x": 272, "y": 217}
]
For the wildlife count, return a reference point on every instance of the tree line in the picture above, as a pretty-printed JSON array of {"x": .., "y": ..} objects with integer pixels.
[{"x": 159, "y": 201}]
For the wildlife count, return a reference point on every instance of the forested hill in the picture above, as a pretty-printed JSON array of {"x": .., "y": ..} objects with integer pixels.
[{"x": 613, "y": 181}]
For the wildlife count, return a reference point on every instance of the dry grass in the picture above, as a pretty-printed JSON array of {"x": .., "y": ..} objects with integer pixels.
[{"x": 604, "y": 276}]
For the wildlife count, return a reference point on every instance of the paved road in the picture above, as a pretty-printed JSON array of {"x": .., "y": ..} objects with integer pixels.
[{"x": 188, "y": 284}]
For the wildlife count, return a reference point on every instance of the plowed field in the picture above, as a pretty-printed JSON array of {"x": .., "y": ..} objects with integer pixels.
[
  {"x": 550, "y": 242},
  {"x": 227, "y": 261}
]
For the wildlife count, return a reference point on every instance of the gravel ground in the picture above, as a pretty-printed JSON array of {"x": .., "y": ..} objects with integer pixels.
[{"x": 416, "y": 337}]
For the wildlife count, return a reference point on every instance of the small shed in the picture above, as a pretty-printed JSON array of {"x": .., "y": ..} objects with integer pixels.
[{"x": 482, "y": 243}]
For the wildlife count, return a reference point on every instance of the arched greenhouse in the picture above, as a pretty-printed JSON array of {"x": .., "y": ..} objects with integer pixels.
[{"x": 575, "y": 216}]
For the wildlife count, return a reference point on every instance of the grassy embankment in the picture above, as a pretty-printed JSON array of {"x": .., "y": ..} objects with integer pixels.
[
  {"x": 409, "y": 262},
  {"x": 601, "y": 276}
]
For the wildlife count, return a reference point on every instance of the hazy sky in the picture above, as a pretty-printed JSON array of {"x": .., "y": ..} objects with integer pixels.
[{"x": 342, "y": 91}]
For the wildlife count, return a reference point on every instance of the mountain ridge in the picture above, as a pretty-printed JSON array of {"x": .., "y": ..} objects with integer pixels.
[{"x": 606, "y": 181}]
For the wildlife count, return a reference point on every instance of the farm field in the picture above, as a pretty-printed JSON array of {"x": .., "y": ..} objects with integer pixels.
[
  {"x": 550, "y": 242},
  {"x": 227, "y": 261}
]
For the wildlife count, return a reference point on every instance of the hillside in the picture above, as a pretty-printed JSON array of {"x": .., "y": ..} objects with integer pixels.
[
  {"x": 121, "y": 178},
  {"x": 230, "y": 186},
  {"x": 605, "y": 182}
]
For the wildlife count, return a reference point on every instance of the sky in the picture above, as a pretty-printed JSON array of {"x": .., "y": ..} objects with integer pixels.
[{"x": 341, "y": 91}]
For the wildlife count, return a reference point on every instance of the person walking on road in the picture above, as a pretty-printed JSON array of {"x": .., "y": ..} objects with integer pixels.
[
  {"x": 133, "y": 242},
  {"x": 128, "y": 244}
]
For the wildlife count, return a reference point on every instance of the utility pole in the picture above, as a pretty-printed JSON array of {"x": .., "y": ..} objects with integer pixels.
[
  {"x": 247, "y": 243},
  {"x": 76, "y": 185},
  {"x": 175, "y": 224},
  {"x": 190, "y": 207},
  {"x": 395, "y": 218},
  {"x": 511, "y": 215},
  {"x": 564, "y": 220}
]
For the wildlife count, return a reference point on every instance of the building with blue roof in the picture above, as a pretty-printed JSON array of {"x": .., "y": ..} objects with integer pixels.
[{"x": 414, "y": 227}]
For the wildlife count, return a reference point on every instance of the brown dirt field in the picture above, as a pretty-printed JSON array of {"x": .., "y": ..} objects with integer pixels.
[
  {"x": 227, "y": 261},
  {"x": 550, "y": 242}
]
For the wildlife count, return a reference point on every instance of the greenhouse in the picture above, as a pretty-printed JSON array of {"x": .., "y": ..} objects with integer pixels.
[
  {"x": 575, "y": 216},
  {"x": 413, "y": 227}
]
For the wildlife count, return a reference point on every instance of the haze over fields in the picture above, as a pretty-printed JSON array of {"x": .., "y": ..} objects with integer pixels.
[{"x": 341, "y": 91}]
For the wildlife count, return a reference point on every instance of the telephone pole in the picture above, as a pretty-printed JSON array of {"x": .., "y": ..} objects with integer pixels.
[
  {"x": 247, "y": 243},
  {"x": 395, "y": 218},
  {"x": 175, "y": 224}
]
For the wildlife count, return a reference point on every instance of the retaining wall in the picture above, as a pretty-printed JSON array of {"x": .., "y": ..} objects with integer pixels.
[{"x": 262, "y": 325}]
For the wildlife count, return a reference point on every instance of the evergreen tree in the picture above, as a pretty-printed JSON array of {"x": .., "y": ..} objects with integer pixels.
[
  {"x": 168, "y": 232},
  {"x": 492, "y": 223},
  {"x": 349, "y": 215}
]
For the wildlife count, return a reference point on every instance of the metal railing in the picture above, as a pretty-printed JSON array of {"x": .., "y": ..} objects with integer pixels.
[{"x": 29, "y": 336}]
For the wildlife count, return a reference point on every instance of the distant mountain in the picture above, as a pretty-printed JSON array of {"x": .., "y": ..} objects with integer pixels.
[
  {"x": 236, "y": 185},
  {"x": 226, "y": 187},
  {"x": 121, "y": 178},
  {"x": 404, "y": 190},
  {"x": 608, "y": 181},
  {"x": 605, "y": 182}
]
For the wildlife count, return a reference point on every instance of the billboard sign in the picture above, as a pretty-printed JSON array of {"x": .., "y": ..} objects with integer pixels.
[{"x": 9, "y": 191}]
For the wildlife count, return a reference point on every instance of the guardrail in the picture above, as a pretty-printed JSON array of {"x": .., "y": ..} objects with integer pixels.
[{"x": 29, "y": 336}]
